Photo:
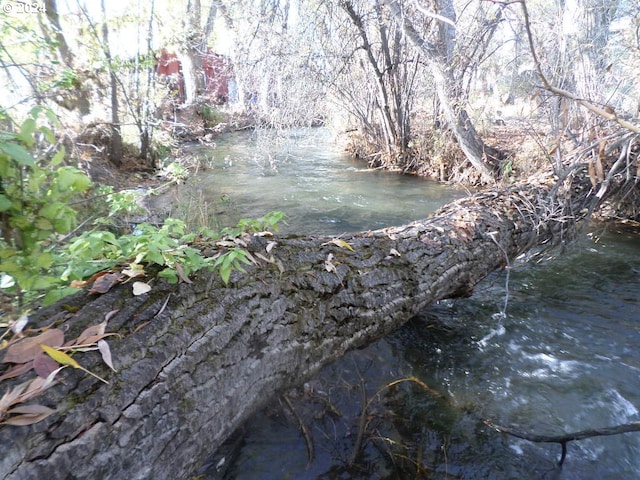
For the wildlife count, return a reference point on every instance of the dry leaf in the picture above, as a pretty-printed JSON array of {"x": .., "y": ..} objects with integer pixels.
[
  {"x": 26, "y": 349},
  {"x": 226, "y": 243},
  {"x": 78, "y": 283},
  {"x": 86, "y": 346},
  {"x": 328, "y": 264},
  {"x": 599, "y": 169},
  {"x": 19, "y": 324},
  {"x": 44, "y": 365},
  {"x": 339, "y": 243},
  {"x": 28, "y": 415},
  {"x": 592, "y": 174},
  {"x": 394, "y": 252},
  {"x": 104, "y": 283},
  {"x": 16, "y": 370},
  {"x": 134, "y": 270},
  {"x": 270, "y": 246},
  {"x": 110, "y": 315},
  {"x": 180, "y": 272},
  {"x": 11, "y": 396},
  {"x": 105, "y": 351},
  {"x": 64, "y": 359},
  {"x": 90, "y": 332},
  {"x": 60, "y": 357},
  {"x": 140, "y": 287}
]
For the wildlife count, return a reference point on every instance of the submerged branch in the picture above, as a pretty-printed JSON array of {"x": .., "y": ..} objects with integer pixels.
[{"x": 567, "y": 437}]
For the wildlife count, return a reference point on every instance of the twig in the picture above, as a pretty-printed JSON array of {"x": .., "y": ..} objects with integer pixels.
[
  {"x": 362, "y": 424},
  {"x": 606, "y": 112},
  {"x": 308, "y": 440},
  {"x": 567, "y": 437}
]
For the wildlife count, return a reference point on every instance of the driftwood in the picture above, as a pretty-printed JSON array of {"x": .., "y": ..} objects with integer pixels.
[{"x": 196, "y": 360}]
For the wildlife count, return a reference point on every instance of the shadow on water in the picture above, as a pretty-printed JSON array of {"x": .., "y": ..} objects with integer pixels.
[{"x": 564, "y": 358}]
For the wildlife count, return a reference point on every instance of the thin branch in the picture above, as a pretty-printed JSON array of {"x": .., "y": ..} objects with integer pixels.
[
  {"x": 567, "y": 437},
  {"x": 606, "y": 112}
]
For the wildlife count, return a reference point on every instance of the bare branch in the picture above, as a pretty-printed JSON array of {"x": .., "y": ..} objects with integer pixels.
[
  {"x": 605, "y": 112},
  {"x": 567, "y": 437}
]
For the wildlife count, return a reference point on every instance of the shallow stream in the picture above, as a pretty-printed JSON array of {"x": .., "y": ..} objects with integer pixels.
[{"x": 563, "y": 357}]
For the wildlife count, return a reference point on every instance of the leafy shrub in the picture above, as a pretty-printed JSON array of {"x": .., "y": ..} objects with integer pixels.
[{"x": 41, "y": 252}]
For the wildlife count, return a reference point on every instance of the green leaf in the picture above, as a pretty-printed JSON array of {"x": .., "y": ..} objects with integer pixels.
[
  {"x": 44, "y": 282},
  {"x": 42, "y": 223},
  {"x": 169, "y": 274},
  {"x": 48, "y": 134},
  {"x": 5, "y": 203},
  {"x": 18, "y": 153},
  {"x": 225, "y": 273},
  {"x": 27, "y": 130},
  {"x": 70, "y": 178},
  {"x": 44, "y": 260},
  {"x": 51, "y": 211},
  {"x": 53, "y": 296},
  {"x": 58, "y": 157}
]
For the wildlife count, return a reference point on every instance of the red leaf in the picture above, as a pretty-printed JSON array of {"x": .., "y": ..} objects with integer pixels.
[
  {"x": 104, "y": 283},
  {"x": 26, "y": 349},
  {"x": 44, "y": 365}
]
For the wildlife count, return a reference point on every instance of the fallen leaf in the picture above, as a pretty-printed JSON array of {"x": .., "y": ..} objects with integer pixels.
[
  {"x": 394, "y": 252},
  {"x": 340, "y": 243},
  {"x": 90, "y": 332},
  {"x": 26, "y": 349},
  {"x": 226, "y": 243},
  {"x": 270, "y": 246},
  {"x": 28, "y": 415},
  {"x": 64, "y": 359},
  {"x": 49, "y": 380},
  {"x": 105, "y": 351},
  {"x": 328, "y": 264},
  {"x": 110, "y": 315},
  {"x": 78, "y": 283},
  {"x": 134, "y": 270},
  {"x": 105, "y": 283},
  {"x": 19, "y": 324},
  {"x": 43, "y": 365},
  {"x": 11, "y": 397},
  {"x": 140, "y": 287},
  {"x": 60, "y": 357},
  {"x": 16, "y": 370}
]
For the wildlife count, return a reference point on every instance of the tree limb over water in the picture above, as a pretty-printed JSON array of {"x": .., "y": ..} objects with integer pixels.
[
  {"x": 198, "y": 359},
  {"x": 567, "y": 437}
]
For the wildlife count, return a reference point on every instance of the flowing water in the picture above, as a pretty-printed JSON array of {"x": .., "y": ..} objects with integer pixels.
[
  {"x": 305, "y": 174},
  {"x": 563, "y": 357}
]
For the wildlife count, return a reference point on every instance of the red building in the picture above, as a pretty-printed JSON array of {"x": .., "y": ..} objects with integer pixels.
[{"x": 216, "y": 70}]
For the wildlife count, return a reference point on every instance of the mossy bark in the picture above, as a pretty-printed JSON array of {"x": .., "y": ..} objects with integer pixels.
[{"x": 191, "y": 373}]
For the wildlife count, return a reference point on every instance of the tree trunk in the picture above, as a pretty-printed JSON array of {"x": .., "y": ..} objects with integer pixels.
[
  {"x": 446, "y": 90},
  {"x": 115, "y": 147},
  {"x": 193, "y": 372}
]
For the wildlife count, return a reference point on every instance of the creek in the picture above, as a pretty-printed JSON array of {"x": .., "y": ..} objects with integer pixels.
[{"x": 563, "y": 357}]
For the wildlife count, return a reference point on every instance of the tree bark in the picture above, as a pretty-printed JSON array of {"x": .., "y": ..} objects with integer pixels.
[{"x": 191, "y": 373}]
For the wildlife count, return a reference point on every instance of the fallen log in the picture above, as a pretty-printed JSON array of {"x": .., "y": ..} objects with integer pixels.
[{"x": 196, "y": 360}]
